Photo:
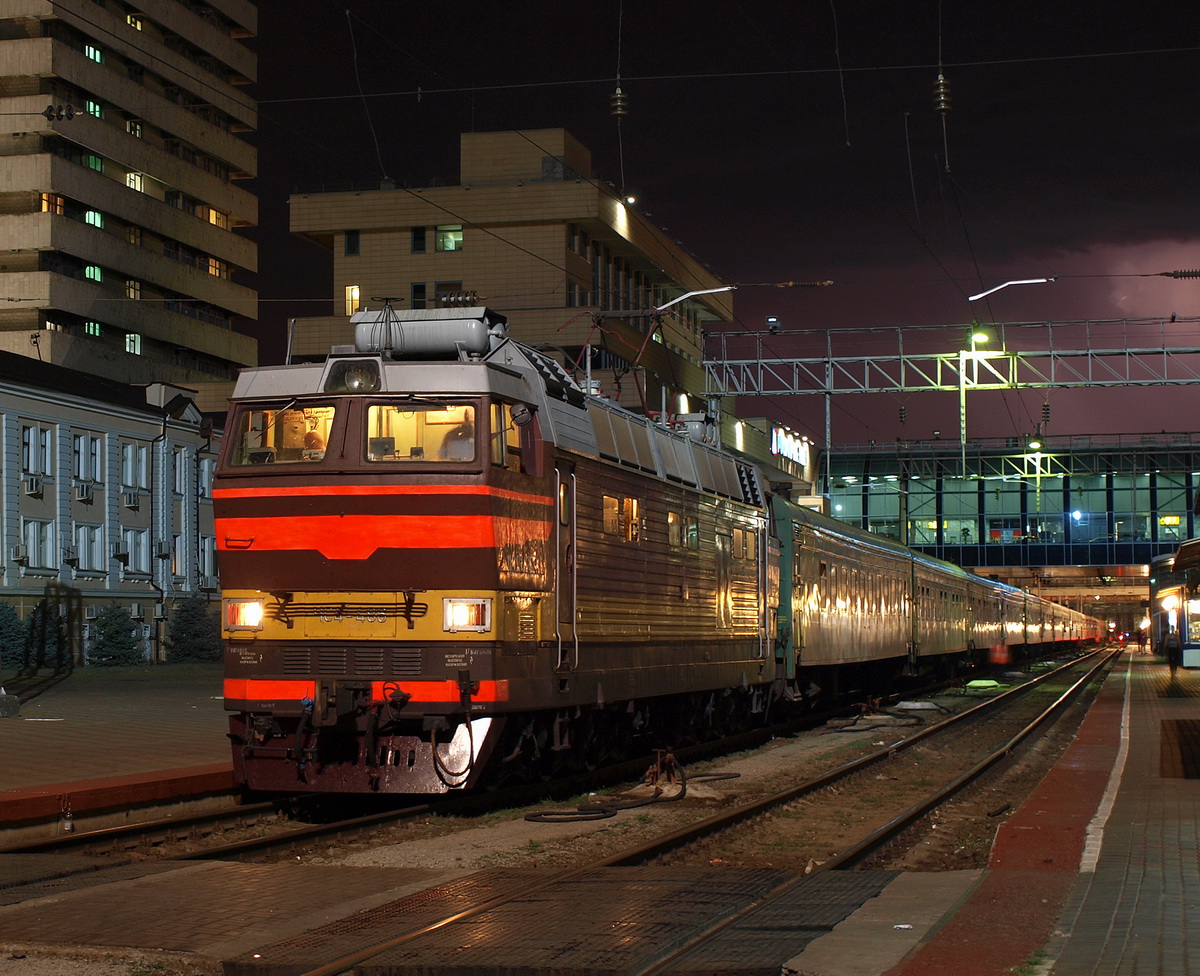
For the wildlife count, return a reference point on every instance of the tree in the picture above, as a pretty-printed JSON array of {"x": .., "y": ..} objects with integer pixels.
[
  {"x": 46, "y": 638},
  {"x": 12, "y": 639},
  {"x": 195, "y": 631},
  {"x": 116, "y": 639}
]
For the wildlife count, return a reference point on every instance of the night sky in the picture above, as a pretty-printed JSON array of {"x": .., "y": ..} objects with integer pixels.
[{"x": 793, "y": 141}]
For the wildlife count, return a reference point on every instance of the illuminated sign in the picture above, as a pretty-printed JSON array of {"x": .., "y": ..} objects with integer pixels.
[
  {"x": 788, "y": 445},
  {"x": 1169, "y": 520}
]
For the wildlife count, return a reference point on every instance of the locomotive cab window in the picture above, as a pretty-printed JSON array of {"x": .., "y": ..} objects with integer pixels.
[
  {"x": 285, "y": 434},
  {"x": 505, "y": 438},
  {"x": 407, "y": 432}
]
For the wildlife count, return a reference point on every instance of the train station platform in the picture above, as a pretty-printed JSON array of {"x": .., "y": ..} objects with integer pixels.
[
  {"x": 1097, "y": 873},
  {"x": 93, "y": 740}
]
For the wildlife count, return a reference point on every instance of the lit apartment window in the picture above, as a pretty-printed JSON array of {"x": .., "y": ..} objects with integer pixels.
[
  {"x": 135, "y": 181},
  {"x": 91, "y": 328},
  {"x": 93, "y": 272},
  {"x": 218, "y": 218},
  {"x": 53, "y": 203},
  {"x": 133, "y": 343},
  {"x": 218, "y": 269},
  {"x": 418, "y": 297},
  {"x": 133, "y": 289},
  {"x": 94, "y": 108},
  {"x": 96, "y": 163},
  {"x": 134, "y": 128},
  {"x": 93, "y": 217},
  {"x": 352, "y": 299},
  {"x": 351, "y": 244},
  {"x": 134, "y": 21},
  {"x": 93, "y": 53},
  {"x": 449, "y": 237},
  {"x": 134, "y": 236},
  {"x": 418, "y": 240}
]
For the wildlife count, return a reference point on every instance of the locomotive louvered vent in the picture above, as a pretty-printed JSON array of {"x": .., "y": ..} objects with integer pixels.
[
  {"x": 296, "y": 661},
  {"x": 331, "y": 661},
  {"x": 558, "y": 382},
  {"x": 368, "y": 661},
  {"x": 526, "y": 625},
  {"x": 406, "y": 663},
  {"x": 750, "y": 490}
]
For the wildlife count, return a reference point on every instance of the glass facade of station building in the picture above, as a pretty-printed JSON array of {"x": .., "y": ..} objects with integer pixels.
[{"x": 1078, "y": 502}]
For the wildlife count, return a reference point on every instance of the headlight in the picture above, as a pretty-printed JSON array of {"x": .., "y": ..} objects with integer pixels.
[
  {"x": 243, "y": 614},
  {"x": 466, "y": 613}
]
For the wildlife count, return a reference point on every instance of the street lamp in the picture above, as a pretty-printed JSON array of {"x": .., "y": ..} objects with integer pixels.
[{"x": 1021, "y": 281}]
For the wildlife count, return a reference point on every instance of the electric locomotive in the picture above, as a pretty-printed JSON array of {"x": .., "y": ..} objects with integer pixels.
[{"x": 436, "y": 552}]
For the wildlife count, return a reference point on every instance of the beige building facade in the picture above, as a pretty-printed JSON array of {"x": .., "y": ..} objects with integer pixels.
[
  {"x": 529, "y": 232},
  {"x": 121, "y": 208}
]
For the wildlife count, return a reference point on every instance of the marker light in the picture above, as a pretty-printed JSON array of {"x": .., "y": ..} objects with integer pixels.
[
  {"x": 466, "y": 613},
  {"x": 243, "y": 614}
]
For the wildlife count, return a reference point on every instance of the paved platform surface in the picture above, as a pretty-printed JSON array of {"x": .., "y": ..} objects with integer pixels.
[{"x": 94, "y": 737}]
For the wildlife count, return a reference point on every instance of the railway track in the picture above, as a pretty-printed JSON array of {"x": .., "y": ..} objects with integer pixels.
[{"x": 999, "y": 727}]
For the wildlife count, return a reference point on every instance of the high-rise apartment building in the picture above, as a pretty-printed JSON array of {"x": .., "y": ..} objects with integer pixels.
[
  {"x": 531, "y": 233},
  {"x": 120, "y": 204}
]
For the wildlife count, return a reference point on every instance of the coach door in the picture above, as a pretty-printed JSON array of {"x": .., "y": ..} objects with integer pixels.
[{"x": 566, "y": 585}]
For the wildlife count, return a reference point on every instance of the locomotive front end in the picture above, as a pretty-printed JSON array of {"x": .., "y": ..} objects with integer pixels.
[{"x": 374, "y": 520}]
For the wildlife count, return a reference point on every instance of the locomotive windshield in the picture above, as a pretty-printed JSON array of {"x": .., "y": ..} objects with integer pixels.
[
  {"x": 279, "y": 435},
  {"x": 418, "y": 432}
]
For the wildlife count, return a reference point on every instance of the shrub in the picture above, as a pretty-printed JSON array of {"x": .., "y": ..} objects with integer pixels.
[
  {"x": 195, "y": 631},
  {"x": 116, "y": 639}
]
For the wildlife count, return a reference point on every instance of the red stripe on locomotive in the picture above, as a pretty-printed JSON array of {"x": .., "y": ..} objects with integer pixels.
[{"x": 265, "y": 689}]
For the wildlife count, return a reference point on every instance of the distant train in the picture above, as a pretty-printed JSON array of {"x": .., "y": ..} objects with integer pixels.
[{"x": 442, "y": 562}]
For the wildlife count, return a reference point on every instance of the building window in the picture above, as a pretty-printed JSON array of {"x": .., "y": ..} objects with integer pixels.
[
  {"x": 418, "y": 294},
  {"x": 352, "y": 299},
  {"x": 95, "y": 163},
  {"x": 418, "y": 240},
  {"x": 93, "y": 217},
  {"x": 93, "y": 272},
  {"x": 87, "y": 460},
  {"x": 91, "y": 327},
  {"x": 351, "y": 244},
  {"x": 137, "y": 544},
  {"x": 133, "y": 289},
  {"x": 134, "y": 128},
  {"x": 37, "y": 449},
  {"x": 208, "y": 467},
  {"x": 135, "y": 471},
  {"x": 94, "y": 108},
  {"x": 134, "y": 21},
  {"x": 53, "y": 203},
  {"x": 134, "y": 236},
  {"x": 218, "y": 218},
  {"x": 136, "y": 181},
  {"x": 449, "y": 237},
  {"x": 93, "y": 53},
  {"x": 179, "y": 470},
  {"x": 89, "y": 547},
  {"x": 218, "y": 269},
  {"x": 39, "y": 542},
  {"x": 133, "y": 343}
]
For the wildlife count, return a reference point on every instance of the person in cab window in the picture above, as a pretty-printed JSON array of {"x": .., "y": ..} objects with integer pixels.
[{"x": 459, "y": 444}]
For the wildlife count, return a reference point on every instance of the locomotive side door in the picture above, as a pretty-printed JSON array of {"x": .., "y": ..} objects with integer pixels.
[{"x": 566, "y": 586}]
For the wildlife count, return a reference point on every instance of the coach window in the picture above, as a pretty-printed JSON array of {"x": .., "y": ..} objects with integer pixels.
[
  {"x": 675, "y": 529},
  {"x": 413, "y": 432},
  {"x": 622, "y": 516},
  {"x": 285, "y": 434}
]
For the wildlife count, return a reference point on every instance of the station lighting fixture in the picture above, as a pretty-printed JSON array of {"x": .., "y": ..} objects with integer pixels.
[{"x": 1021, "y": 281}]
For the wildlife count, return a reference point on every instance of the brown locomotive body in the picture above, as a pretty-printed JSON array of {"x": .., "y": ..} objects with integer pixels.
[{"x": 437, "y": 554}]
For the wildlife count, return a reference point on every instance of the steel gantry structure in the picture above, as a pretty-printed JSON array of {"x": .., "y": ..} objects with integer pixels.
[{"x": 913, "y": 359}]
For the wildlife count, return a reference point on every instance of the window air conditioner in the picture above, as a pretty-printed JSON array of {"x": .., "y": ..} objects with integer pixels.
[
  {"x": 135, "y": 611},
  {"x": 70, "y": 555},
  {"x": 162, "y": 550},
  {"x": 160, "y": 611},
  {"x": 208, "y": 582},
  {"x": 120, "y": 553},
  {"x": 83, "y": 491},
  {"x": 33, "y": 484},
  {"x": 20, "y": 554},
  {"x": 131, "y": 499},
  {"x": 91, "y": 613}
]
